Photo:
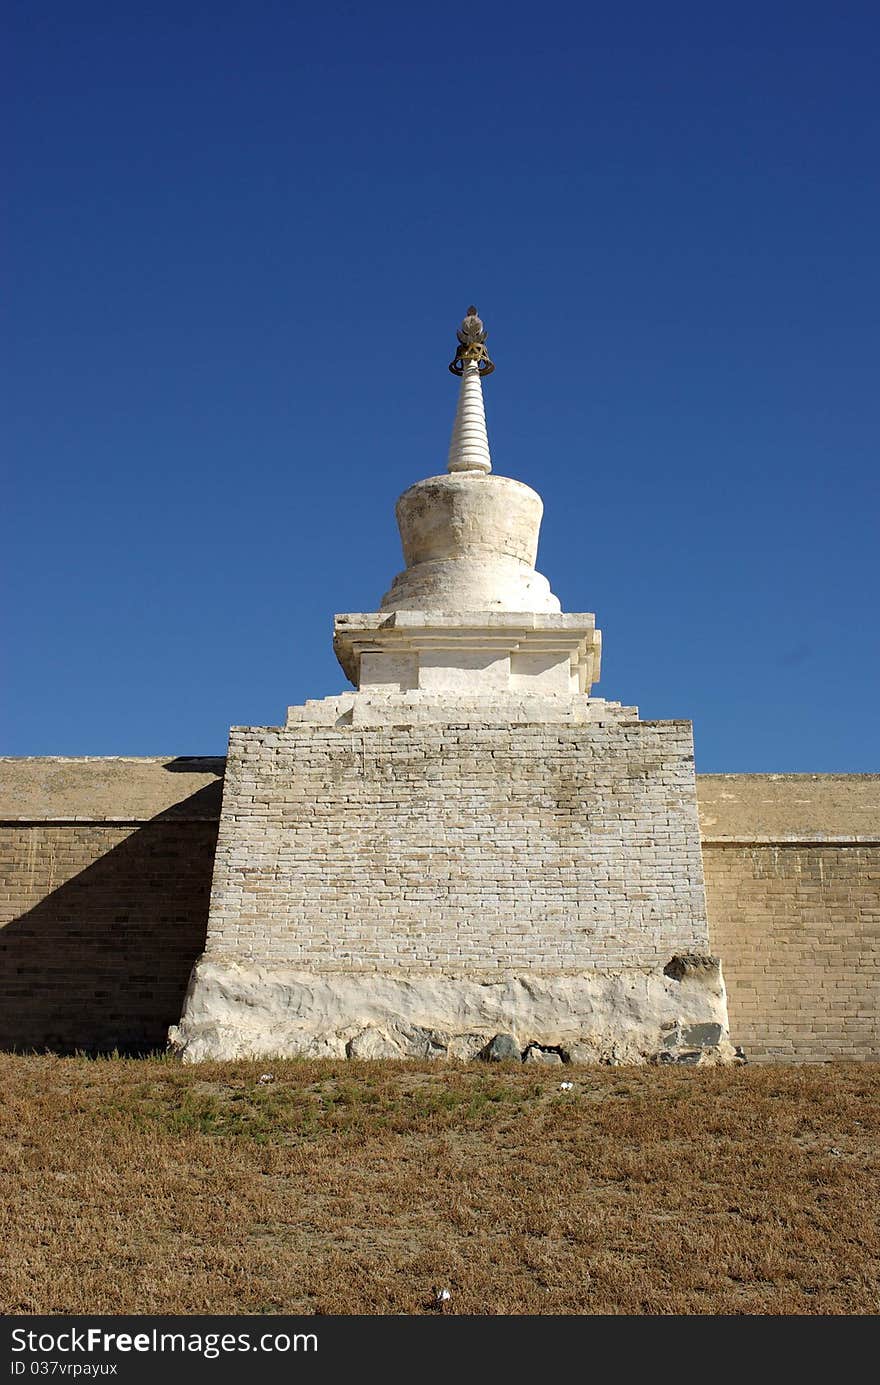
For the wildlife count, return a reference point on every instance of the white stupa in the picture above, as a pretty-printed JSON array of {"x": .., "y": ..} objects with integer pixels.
[
  {"x": 470, "y": 617},
  {"x": 468, "y": 854}
]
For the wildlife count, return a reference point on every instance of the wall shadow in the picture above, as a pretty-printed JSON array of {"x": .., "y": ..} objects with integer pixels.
[{"x": 101, "y": 963}]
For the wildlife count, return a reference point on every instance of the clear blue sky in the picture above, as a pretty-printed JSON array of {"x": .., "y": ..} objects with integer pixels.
[{"x": 242, "y": 236}]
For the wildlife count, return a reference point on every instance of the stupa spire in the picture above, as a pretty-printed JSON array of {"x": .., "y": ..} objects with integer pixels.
[{"x": 469, "y": 448}]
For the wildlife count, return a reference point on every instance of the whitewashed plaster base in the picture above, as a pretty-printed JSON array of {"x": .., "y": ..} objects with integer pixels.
[{"x": 631, "y": 1016}]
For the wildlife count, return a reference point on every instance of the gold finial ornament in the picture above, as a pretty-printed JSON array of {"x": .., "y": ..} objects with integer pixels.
[{"x": 471, "y": 346}]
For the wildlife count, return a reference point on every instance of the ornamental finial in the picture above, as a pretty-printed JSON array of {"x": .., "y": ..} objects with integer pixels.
[{"x": 471, "y": 345}]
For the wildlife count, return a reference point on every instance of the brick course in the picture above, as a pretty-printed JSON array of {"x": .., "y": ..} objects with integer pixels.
[{"x": 473, "y": 848}]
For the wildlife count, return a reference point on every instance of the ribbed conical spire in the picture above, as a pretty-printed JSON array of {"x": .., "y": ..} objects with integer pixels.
[{"x": 469, "y": 449}]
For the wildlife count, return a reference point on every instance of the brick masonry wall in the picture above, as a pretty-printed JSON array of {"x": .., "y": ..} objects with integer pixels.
[
  {"x": 797, "y": 928},
  {"x": 775, "y": 808},
  {"x": 482, "y": 849},
  {"x": 794, "y": 918},
  {"x": 792, "y": 864},
  {"x": 100, "y": 919}
]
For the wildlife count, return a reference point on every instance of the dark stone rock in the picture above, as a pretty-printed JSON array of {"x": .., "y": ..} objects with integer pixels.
[
  {"x": 706, "y": 1035},
  {"x": 690, "y": 964},
  {"x": 503, "y": 1048},
  {"x": 685, "y": 1057}
]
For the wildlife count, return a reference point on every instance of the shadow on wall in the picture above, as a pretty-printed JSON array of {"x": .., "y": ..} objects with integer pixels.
[{"x": 102, "y": 961}]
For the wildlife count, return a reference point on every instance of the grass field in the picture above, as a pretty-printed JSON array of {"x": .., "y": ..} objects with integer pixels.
[{"x": 141, "y": 1186}]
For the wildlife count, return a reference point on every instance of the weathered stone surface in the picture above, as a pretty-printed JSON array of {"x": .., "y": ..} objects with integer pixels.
[
  {"x": 421, "y": 707},
  {"x": 684, "y": 1057},
  {"x": 704, "y": 1035},
  {"x": 463, "y": 1047},
  {"x": 494, "y": 657},
  {"x": 503, "y": 1048},
  {"x": 613, "y": 1048},
  {"x": 550, "y": 1057},
  {"x": 470, "y": 543},
  {"x": 237, "y": 1011},
  {"x": 373, "y": 1043},
  {"x": 689, "y": 964}
]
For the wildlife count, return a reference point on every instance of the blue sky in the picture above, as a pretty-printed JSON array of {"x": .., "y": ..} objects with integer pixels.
[{"x": 242, "y": 236}]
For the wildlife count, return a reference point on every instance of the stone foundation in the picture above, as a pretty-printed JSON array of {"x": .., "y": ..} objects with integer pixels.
[{"x": 631, "y": 1016}]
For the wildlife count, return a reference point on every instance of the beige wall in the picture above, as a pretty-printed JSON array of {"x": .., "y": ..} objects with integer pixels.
[
  {"x": 105, "y": 871},
  {"x": 779, "y": 807},
  {"x": 105, "y": 874},
  {"x": 477, "y": 849},
  {"x": 792, "y": 867}
]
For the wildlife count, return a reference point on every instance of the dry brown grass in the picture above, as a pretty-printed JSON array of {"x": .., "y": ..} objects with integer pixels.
[{"x": 140, "y": 1186}]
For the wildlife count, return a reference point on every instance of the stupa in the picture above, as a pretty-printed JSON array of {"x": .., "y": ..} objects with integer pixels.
[{"x": 469, "y": 855}]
